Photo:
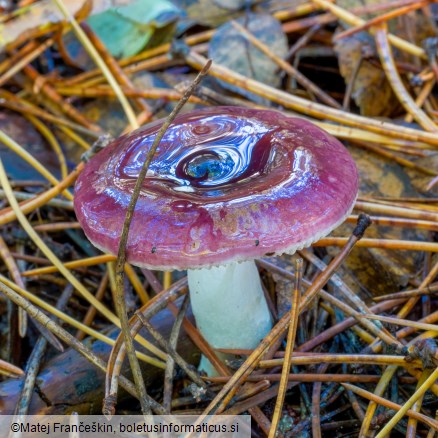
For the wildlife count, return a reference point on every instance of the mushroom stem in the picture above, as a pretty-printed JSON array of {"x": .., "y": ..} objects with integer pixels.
[{"x": 229, "y": 307}]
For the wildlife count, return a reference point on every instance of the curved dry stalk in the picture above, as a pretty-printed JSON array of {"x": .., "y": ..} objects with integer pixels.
[
  {"x": 388, "y": 64},
  {"x": 121, "y": 256},
  {"x": 53, "y": 142}
]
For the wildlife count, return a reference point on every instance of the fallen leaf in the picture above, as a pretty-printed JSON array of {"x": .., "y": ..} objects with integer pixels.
[
  {"x": 371, "y": 90},
  {"x": 126, "y": 30},
  {"x": 229, "y": 48}
]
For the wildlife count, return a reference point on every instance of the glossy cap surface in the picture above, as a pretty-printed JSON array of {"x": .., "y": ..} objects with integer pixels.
[{"x": 226, "y": 184}]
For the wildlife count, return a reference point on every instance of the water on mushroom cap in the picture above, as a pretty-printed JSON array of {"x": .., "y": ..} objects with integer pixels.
[{"x": 225, "y": 184}]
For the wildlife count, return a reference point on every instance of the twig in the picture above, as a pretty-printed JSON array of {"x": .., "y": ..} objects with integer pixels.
[
  {"x": 294, "y": 313},
  {"x": 121, "y": 256},
  {"x": 170, "y": 364}
]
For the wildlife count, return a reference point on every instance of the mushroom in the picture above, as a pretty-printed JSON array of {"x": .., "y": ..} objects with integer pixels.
[{"x": 227, "y": 185}]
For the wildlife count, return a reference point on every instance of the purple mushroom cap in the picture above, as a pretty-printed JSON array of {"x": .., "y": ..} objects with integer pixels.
[{"x": 226, "y": 184}]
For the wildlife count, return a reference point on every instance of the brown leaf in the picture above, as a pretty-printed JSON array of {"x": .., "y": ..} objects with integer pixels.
[{"x": 371, "y": 91}]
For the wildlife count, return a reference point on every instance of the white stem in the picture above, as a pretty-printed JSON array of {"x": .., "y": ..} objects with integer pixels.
[{"x": 229, "y": 305}]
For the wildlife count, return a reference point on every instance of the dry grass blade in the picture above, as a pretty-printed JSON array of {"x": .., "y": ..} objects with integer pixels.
[{"x": 291, "y": 334}]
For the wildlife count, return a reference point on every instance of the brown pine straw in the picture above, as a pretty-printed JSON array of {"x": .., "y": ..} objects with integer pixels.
[
  {"x": 382, "y": 18},
  {"x": 53, "y": 96},
  {"x": 398, "y": 222},
  {"x": 219, "y": 403},
  {"x": 313, "y": 377},
  {"x": 353, "y": 20},
  {"x": 431, "y": 289},
  {"x": 313, "y": 109},
  {"x": 404, "y": 322},
  {"x": 411, "y": 213},
  {"x": 291, "y": 335},
  {"x": 422, "y": 97},
  {"x": 9, "y": 370},
  {"x": 391, "y": 405},
  {"x": 8, "y": 215},
  {"x": 22, "y": 61},
  {"x": 407, "y": 245}
]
